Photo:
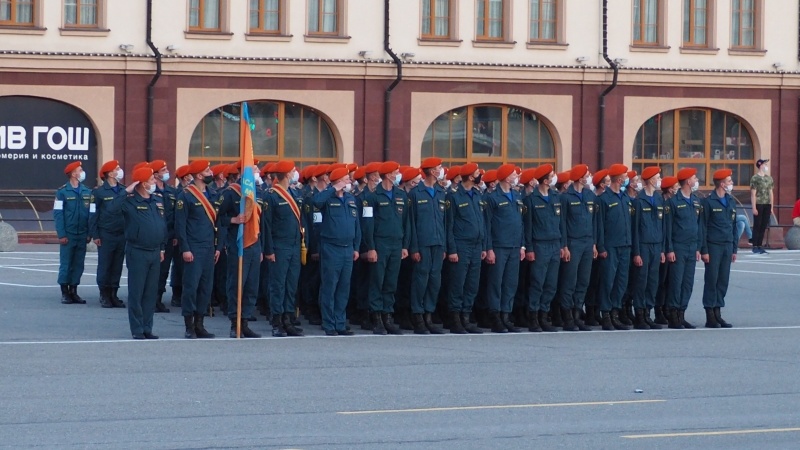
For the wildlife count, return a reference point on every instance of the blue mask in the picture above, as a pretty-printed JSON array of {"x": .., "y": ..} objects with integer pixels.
[
  {"x": 626, "y": 183},
  {"x": 397, "y": 179}
]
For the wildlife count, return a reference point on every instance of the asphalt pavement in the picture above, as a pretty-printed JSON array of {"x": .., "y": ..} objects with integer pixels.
[{"x": 72, "y": 378}]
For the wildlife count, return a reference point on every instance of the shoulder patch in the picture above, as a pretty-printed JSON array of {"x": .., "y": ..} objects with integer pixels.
[{"x": 179, "y": 204}]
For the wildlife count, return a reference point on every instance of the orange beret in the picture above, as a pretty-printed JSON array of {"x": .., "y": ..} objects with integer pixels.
[
  {"x": 142, "y": 174},
  {"x": 490, "y": 176},
  {"x": 256, "y": 162},
  {"x": 198, "y": 166},
  {"x": 231, "y": 169},
  {"x": 563, "y": 177},
  {"x": 617, "y": 169},
  {"x": 109, "y": 166},
  {"x": 578, "y": 172},
  {"x": 542, "y": 171},
  {"x": 319, "y": 170},
  {"x": 182, "y": 171},
  {"x": 721, "y": 174},
  {"x": 306, "y": 172},
  {"x": 430, "y": 163},
  {"x": 267, "y": 168},
  {"x": 650, "y": 172},
  {"x": 453, "y": 172},
  {"x": 140, "y": 165},
  {"x": 410, "y": 173},
  {"x": 372, "y": 168},
  {"x": 388, "y": 167},
  {"x": 71, "y": 166},
  {"x": 158, "y": 165},
  {"x": 335, "y": 166},
  {"x": 468, "y": 169},
  {"x": 339, "y": 173},
  {"x": 284, "y": 166},
  {"x": 505, "y": 171},
  {"x": 686, "y": 173},
  {"x": 632, "y": 173},
  {"x": 527, "y": 175},
  {"x": 352, "y": 167},
  {"x": 360, "y": 173},
  {"x": 598, "y": 176},
  {"x": 218, "y": 169},
  {"x": 518, "y": 169},
  {"x": 668, "y": 182}
]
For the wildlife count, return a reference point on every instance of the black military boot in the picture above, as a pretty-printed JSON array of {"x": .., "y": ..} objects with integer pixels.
[
  {"x": 314, "y": 316},
  {"x": 649, "y": 322},
  {"x": 177, "y": 292},
  {"x": 246, "y": 331},
  {"x": 160, "y": 308},
  {"x": 188, "y": 321},
  {"x": 711, "y": 319},
  {"x": 555, "y": 317},
  {"x": 674, "y": 320},
  {"x": 622, "y": 315},
  {"x": 469, "y": 327},
  {"x": 718, "y": 316},
  {"x": 544, "y": 322},
  {"x": 277, "y": 326},
  {"x": 199, "y": 329},
  {"x": 606, "y": 321},
  {"x": 504, "y": 317},
  {"x": 639, "y": 322},
  {"x": 419, "y": 324},
  {"x": 661, "y": 317},
  {"x": 685, "y": 324},
  {"x": 289, "y": 325},
  {"x": 377, "y": 327},
  {"x": 366, "y": 322},
  {"x": 591, "y": 319},
  {"x": 105, "y": 302},
  {"x": 568, "y": 320},
  {"x": 576, "y": 316},
  {"x": 616, "y": 322},
  {"x": 484, "y": 318},
  {"x": 428, "y": 318},
  {"x": 403, "y": 319},
  {"x": 115, "y": 300},
  {"x": 65, "y": 297},
  {"x": 456, "y": 327},
  {"x": 388, "y": 323},
  {"x": 533, "y": 322},
  {"x": 73, "y": 294},
  {"x": 497, "y": 323},
  {"x": 520, "y": 317}
]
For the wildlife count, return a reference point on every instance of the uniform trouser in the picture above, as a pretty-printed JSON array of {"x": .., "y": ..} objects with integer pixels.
[
  {"x": 251, "y": 265},
  {"x": 760, "y": 223},
  {"x": 263, "y": 284},
  {"x": 646, "y": 283},
  {"x": 110, "y": 255},
  {"x": 544, "y": 275},
  {"x": 681, "y": 277},
  {"x": 427, "y": 279},
  {"x": 284, "y": 275},
  {"x": 198, "y": 280},
  {"x": 309, "y": 289},
  {"x": 71, "y": 257},
  {"x": 336, "y": 266},
  {"x": 220, "y": 278},
  {"x": 171, "y": 254},
  {"x": 663, "y": 284},
  {"x": 574, "y": 277},
  {"x": 521, "y": 297},
  {"x": 614, "y": 277},
  {"x": 383, "y": 276},
  {"x": 144, "y": 267},
  {"x": 482, "y": 302},
  {"x": 362, "y": 279},
  {"x": 592, "y": 298},
  {"x": 176, "y": 275},
  {"x": 502, "y": 278},
  {"x": 403, "y": 296},
  {"x": 464, "y": 277},
  {"x": 718, "y": 272}
]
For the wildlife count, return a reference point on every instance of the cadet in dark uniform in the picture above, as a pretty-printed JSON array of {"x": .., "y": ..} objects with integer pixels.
[
  {"x": 614, "y": 246},
  {"x": 171, "y": 253},
  {"x": 252, "y": 255},
  {"x": 317, "y": 182},
  {"x": 71, "y": 210},
  {"x": 669, "y": 187},
  {"x": 363, "y": 267},
  {"x": 600, "y": 182},
  {"x": 682, "y": 246},
  {"x": 146, "y": 237},
  {"x": 504, "y": 235},
  {"x": 384, "y": 214},
  {"x": 218, "y": 291},
  {"x": 283, "y": 231},
  {"x": 578, "y": 205},
  {"x": 546, "y": 245},
  {"x": 184, "y": 179},
  {"x": 411, "y": 177},
  {"x": 106, "y": 228},
  {"x": 196, "y": 225},
  {"x": 425, "y": 227},
  {"x": 647, "y": 247},
  {"x": 718, "y": 246},
  {"x": 262, "y": 303},
  {"x": 527, "y": 184},
  {"x": 466, "y": 248},
  {"x": 340, "y": 238}
]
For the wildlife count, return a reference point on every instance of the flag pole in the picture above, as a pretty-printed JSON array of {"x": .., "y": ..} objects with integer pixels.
[{"x": 239, "y": 297}]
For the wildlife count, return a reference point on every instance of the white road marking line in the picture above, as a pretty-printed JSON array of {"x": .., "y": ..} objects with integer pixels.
[
  {"x": 485, "y": 407},
  {"x": 711, "y": 433}
]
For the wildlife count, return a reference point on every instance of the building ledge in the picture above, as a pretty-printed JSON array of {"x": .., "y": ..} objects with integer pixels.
[
  {"x": 746, "y": 52},
  {"x": 650, "y": 48},
  {"x": 265, "y": 37},
  {"x": 494, "y": 44},
  {"x": 210, "y": 35},
  {"x": 326, "y": 39},
  {"x": 546, "y": 46},
  {"x": 699, "y": 50},
  {"x": 439, "y": 42},
  {"x": 93, "y": 32},
  {"x": 23, "y": 30}
]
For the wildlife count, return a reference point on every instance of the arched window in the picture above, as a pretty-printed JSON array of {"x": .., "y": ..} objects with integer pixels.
[
  {"x": 490, "y": 135},
  {"x": 706, "y": 139},
  {"x": 282, "y": 131}
]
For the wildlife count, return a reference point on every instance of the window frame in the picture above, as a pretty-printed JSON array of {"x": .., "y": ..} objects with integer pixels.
[
  {"x": 505, "y": 23},
  {"x": 99, "y": 15},
  {"x": 341, "y": 22},
  {"x": 758, "y": 29},
  {"x": 222, "y": 25},
  {"x": 661, "y": 25},
  {"x": 35, "y": 15},
  {"x": 559, "y": 36},
  {"x": 452, "y": 21},
  {"x": 283, "y": 13},
  {"x": 710, "y": 26}
]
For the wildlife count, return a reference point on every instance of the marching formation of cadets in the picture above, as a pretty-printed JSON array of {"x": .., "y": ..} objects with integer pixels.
[{"x": 393, "y": 248}]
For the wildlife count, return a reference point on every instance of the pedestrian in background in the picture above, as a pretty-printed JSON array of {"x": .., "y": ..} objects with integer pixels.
[{"x": 761, "y": 197}]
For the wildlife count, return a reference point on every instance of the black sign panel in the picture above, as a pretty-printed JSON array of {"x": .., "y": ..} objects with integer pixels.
[{"x": 38, "y": 138}]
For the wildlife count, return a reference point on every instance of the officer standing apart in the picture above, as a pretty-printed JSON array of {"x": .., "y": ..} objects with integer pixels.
[
  {"x": 145, "y": 242},
  {"x": 340, "y": 238},
  {"x": 647, "y": 247},
  {"x": 71, "y": 210},
  {"x": 107, "y": 228},
  {"x": 719, "y": 246},
  {"x": 383, "y": 215},
  {"x": 196, "y": 226}
]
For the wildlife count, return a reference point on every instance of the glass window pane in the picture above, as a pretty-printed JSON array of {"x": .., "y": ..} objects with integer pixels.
[
  {"x": 517, "y": 136},
  {"x": 292, "y": 123},
  {"x": 327, "y": 145},
  {"x": 310, "y": 134},
  {"x": 487, "y": 131},
  {"x": 211, "y": 14},
  {"x": 718, "y": 136},
  {"x": 666, "y": 149},
  {"x": 265, "y": 135},
  {"x": 692, "y": 134}
]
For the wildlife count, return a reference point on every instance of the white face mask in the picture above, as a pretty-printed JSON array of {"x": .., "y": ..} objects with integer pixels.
[
  {"x": 447, "y": 184},
  {"x": 441, "y": 175},
  {"x": 695, "y": 186},
  {"x": 553, "y": 180},
  {"x": 658, "y": 184},
  {"x": 120, "y": 174},
  {"x": 82, "y": 177},
  {"x": 590, "y": 186},
  {"x": 729, "y": 188},
  {"x": 165, "y": 177},
  {"x": 515, "y": 182},
  {"x": 766, "y": 168},
  {"x": 397, "y": 179},
  {"x": 638, "y": 186},
  {"x": 482, "y": 186},
  {"x": 348, "y": 187},
  {"x": 259, "y": 181},
  {"x": 295, "y": 176},
  {"x": 151, "y": 189}
]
